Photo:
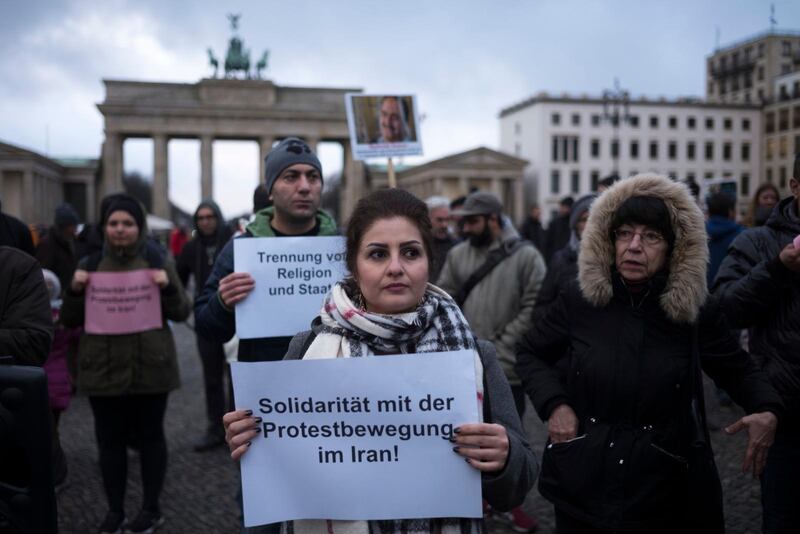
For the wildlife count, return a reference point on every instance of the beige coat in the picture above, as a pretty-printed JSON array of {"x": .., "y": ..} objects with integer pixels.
[{"x": 499, "y": 307}]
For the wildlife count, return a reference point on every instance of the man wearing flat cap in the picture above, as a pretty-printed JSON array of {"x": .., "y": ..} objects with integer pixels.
[{"x": 495, "y": 277}]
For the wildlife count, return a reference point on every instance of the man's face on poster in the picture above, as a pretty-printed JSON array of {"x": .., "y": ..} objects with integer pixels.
[{"x": 391, "y": 120}]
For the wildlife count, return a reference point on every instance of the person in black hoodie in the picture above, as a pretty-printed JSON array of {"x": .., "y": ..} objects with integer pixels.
[
  {"x": 197, "y": 259},
  {"x": 758, "y": 286},
  {"x": 630, "y": 328}
]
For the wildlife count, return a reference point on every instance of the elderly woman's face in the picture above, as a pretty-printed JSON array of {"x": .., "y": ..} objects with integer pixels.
[
  {"x": 641, "y": 252},
  {"x": 392, "y": 266}
]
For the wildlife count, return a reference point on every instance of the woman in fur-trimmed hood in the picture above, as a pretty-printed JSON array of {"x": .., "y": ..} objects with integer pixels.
[{"x": 618, "y": 419}]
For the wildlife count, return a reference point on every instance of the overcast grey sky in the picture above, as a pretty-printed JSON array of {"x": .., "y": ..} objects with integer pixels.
[{"x": 464, "y": 59}]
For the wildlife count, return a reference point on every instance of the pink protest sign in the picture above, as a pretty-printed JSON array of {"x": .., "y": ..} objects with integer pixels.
[{"x": 122, "y": 303}]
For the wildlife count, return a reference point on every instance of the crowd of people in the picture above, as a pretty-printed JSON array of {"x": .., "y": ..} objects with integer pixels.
[{"x": 603, "y": 322}]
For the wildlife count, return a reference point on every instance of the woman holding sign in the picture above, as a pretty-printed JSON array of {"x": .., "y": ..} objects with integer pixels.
[
  {"x": 388, "y": 307},
  {"x": 127, "y": 369}
]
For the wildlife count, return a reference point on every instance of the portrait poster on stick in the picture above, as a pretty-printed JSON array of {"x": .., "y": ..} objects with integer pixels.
[
  {"x": 383, "y": 126},
  {"x": 292, "y": 276},
  {"x": 122, "y": 302},
  {"x": 358, "y": 438}
]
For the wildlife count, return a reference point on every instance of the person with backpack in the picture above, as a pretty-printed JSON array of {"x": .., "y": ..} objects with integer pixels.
[
  {"x": 495, "y": 277},
  {"x": 128, "y": 377}
]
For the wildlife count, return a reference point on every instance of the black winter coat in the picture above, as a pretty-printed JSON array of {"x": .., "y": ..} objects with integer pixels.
[
  {"x": 758, "y": 292},
  {"x": 58, "y": 254},
  {"x": 26, "y": 321},
  {"x": 562, "y": 270},
  {"x": 628, "y": 383}
]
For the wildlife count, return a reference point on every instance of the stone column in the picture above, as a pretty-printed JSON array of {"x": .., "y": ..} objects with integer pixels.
[
  {"x": 206, "y": 167},
  {"x": 519, "y": 198},
  {"x": 28, "y": 198},
  {"x": 497, "y": 189},
  {"x": 353, "y": 183},
  {"x": 438, "y": 189},
  {"x": 463, "y": 184},
  {"x": 112, "y": 164},
  {"x": 91, "y": 201},
  {"x": 160, "y": 176},
  {"x": 265, "y": 145},
  {"x": 313, "y": 143}
]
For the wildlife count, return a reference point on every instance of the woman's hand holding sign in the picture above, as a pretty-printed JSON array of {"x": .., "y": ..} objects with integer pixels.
[
  {"x": 79, "y": 280},
  {"x": 235, "y": 287},
  {"x": 160, "y": 278},
  {"x": 484, "y": 446},
  {"x": 240, "y": 428}
]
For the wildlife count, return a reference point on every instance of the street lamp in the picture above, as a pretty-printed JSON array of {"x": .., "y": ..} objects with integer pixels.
[{"x": 615, "y": 111}]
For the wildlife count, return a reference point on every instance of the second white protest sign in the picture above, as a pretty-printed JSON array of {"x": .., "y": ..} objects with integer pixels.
[{"x": 292, "y": 276}]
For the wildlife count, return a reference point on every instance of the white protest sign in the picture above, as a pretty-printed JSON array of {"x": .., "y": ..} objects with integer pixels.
[
  {"x": 358, "y": 438},
  {"x": 292, "y": 276}
]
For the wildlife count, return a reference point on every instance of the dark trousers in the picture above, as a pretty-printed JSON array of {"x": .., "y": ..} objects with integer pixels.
[
  {"x": 136, "y": 420},
  {"x": 518, "y": 393},
  {"x": 215, "y": 368},
  {"x": 779, "y": 485},
  {"x": 566, "y": 524}
]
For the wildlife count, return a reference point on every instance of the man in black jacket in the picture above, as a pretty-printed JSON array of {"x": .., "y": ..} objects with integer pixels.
[
  {"x": 56, "y": 251},
  {"x": 26, "y": 324},
  {"x": 197, "y": 259},
  {"x": 758, "y": 285}
]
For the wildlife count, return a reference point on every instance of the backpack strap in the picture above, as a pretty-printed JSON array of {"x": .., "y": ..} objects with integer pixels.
[{"x": 494, "y": 258}]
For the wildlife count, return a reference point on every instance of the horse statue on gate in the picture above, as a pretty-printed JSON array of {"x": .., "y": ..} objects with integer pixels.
[
  {"x": 262, "y": 63},
  {"x": 213, "y": 61}
]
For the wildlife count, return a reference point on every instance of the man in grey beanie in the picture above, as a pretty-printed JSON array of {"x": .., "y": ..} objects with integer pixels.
[{"x": 293, "y": 179}]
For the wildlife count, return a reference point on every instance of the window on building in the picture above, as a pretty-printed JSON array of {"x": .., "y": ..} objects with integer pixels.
[
  {"x": 634, "y": 149},
  {"x": 555, "y": 182},
  {"x": 653, "y": 149},
  {"x": 709, "y": 150},
  {"x": 555, "y": 148},
  {"x": 595, "y": 148},
  {"x": 735, "y": 83},
  {"x": 769, "y": 122},
  {"x": 744, "y": 186},
  {"x": 673, "y": 122},
  {"x": 709, "y": 123},
  {"x": 748, "y": 80},
  {"x": 517, "y": 128},
  {"x": 783, "y": 93},
  {"x": 783, "y": 120},
  {"x": 747, "y": 97},
  {"x": 614, "y": 148},
  {"x": 710, "y": 88},
  {"x": 727, "y": 149},
  {"x": 782, "y": 178},
  {"x": 745, "y": 151},
  {"x": 708, "y": 175},
  {"x": 797, "y": 144},
  {"x": 517, "y": 149},
  {"x": 761, "y": 95},
  {"x": 691, "y": 122},
  {"x": 575, "y": 153},
  {"x": 746, "y": 125},
  {"x": 565, "y": 148},
  {"x": 634, "y": 121},
  {"x": 672, "y": 150},
  {"x": 770, "y": 148},
  {"x": 576, "y": 119},
  {"x": 796, "y": 117},
  {"x": 786, "y": 48},
  {"x": 595, "y": 120},
  {"x": 690, "y": 177},
  {"x": 723, "y": 86},
  {"x": 760, "y": 73},
  {"x": 783, "y": 146},
  {"x": 555, "y": 119},
  {"x": 769, "y": 175},
  {"x": 761, "y": 50},
  {"x": 595, "y": 179},
  {"x": 690, "y": 150},
  {"x": 653, "y": 121},
  {"x": 575, "y": 182},
  {"x": 786, "y": 68},
  {"x": 727, "y": 123}
]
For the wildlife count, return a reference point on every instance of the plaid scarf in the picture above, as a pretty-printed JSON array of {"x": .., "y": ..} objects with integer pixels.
[{"x": 437, "y": 325}]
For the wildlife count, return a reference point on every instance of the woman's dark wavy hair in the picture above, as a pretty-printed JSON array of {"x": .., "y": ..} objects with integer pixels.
[
  {"x": 649, "y": 211},
  {"x": 386, "y": 204}
]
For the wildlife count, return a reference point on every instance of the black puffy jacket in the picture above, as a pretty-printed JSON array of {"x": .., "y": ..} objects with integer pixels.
[{"x": 758, "y": 292}]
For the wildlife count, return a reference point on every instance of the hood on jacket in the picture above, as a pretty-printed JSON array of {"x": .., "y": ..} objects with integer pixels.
[
  {"x": 221, "y": 233},
  {"x": 785, "y": 216},
  {"x": 719, "y": 228},
  {"x": 685, "y": 290},
  {"x": 260, "y": 226}
]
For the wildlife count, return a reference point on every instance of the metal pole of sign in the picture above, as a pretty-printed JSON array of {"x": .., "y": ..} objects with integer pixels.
[{"x": 390, "y": 171}]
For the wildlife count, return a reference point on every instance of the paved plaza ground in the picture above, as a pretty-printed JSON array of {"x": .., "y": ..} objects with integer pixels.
[{"x": 200, "y": 490}]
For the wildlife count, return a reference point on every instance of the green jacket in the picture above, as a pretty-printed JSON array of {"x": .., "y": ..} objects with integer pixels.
[
  {"x": 260, "y": 226},
  {"x": 499, "y": 307},
  {"x": 141, "y": 363}
]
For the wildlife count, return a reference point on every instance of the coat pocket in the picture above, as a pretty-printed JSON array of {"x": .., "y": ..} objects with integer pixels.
[
  {"x": 657, "y": 481},
  {"x": 571, "y": 472}
]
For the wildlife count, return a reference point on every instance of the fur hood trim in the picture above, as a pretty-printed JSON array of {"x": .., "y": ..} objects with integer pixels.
[{"x": 685, "y": 290}]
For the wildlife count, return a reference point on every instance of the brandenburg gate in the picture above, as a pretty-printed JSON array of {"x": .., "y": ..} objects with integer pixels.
[{"x": 225, "y": 109}]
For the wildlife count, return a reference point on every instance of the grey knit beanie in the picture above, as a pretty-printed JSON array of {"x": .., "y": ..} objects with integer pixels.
[{"x": 285, "y": 154}]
